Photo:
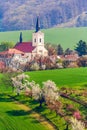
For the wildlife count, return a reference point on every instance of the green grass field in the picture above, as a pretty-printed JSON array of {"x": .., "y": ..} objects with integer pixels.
[
  {"x": 67, "y": 37},
  {"x": 75, "y": 77}
]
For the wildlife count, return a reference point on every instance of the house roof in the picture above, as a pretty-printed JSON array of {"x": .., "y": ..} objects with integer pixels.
[
  {"x": 25, "y": 47},
  {"x": 11, "y": 51},
  {"x": 71, "y": 57}
]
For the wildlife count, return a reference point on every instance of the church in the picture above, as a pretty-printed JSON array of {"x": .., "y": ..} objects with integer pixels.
[{"x": 36, "y": 47}]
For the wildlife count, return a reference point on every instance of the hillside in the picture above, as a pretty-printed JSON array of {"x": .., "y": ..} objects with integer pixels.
[
  {"x": 78, "y": 21},
  {"x": 67, "y": 37},
  {"x": 21, "y": 14}
]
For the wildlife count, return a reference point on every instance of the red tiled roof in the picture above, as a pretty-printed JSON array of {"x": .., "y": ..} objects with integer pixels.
[
  {"x": 11, "y": 51},
  {"x": 71, "y": 57},
  {"x": 24, "y": 47}
]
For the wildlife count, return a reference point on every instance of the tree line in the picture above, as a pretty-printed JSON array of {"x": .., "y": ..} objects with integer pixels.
[{"x": 80, "y": 48}]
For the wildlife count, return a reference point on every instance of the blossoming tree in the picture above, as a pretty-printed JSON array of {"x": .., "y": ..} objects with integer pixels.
[{"x": 20, "y": 83}]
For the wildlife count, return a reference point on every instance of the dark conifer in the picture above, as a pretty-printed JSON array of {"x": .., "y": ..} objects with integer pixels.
[{"x": 21, "y": 37}]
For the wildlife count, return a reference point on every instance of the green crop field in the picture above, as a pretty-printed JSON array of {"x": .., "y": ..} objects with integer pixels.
[
  {"x": 67, "y": 37},
  {"x": 62, "y": 77},
  {"x": 13, "y": 117}
]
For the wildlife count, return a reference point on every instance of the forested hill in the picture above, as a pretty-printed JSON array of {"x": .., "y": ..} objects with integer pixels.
[{"x": 21, "y": 14}]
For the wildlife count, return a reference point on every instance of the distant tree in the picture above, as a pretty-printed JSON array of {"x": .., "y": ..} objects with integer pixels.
[
  {"x": 6, "y": 45},
  {"x": 68, "y": 51},
  {"x": 20, "y": 39},
  {"x": 59, "y": 50},
  {"x": 81, "y": 48},
  {"x": 82, "y": 61},
  {"x": 51, "y": 49}
]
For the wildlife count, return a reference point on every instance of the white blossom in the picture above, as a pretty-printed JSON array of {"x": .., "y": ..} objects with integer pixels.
[
  {"x": 50, "y": 90},
  {"x": 31, "y": 84},
  {"x": 36, "y": 91},
  {"x": 20, "y": 82},
  {"x": 35, "y": 66},
  {"x": 22, "y": 76},
  {"x": 77, "y": 125}
]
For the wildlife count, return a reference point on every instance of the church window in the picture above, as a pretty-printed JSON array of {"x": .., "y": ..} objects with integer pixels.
[
  {"x": 40, "y": 39},
  {"x": 40, "y": 51},
  {"x": 35, "y": 40}
]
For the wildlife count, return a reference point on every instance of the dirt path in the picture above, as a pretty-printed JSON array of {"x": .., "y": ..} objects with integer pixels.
[{"x": 37, "y": 116}]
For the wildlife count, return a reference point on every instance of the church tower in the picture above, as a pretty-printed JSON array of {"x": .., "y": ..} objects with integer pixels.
[
  {"x": 38, "y": 36},
  {"x": 38, "y": 41}
]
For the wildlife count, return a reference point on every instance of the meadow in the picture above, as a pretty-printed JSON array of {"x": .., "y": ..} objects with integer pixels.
[{"x": 67, "y": 37}]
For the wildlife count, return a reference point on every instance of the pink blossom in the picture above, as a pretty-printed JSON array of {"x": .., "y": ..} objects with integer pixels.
[{"x": 77, "y": 115}]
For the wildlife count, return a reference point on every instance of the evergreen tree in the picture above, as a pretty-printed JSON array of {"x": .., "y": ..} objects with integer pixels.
[
  {"x": 68, "y": 51},
  {"x": 59, "y": 50},
  {"x": 81, "y": 48},
  {"x": 20, "y": 37}
]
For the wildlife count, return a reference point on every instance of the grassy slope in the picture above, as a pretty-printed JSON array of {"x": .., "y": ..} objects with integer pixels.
[
  {"x": 62, "y": 77},
  {"x": 12, "y": 117},
  {"x": 67, "y": 37}
]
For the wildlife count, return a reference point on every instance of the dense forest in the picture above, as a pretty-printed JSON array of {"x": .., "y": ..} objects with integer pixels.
[{"x": 21, "y": 14}]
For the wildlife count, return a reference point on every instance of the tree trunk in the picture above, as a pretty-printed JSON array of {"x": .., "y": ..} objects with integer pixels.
[{"x": 40, "y": 103}]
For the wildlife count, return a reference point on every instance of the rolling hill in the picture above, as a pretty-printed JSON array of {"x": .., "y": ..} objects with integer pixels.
[{"x": 67, "y": 37}]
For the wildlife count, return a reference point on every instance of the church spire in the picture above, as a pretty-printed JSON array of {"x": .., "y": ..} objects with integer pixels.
[{"x": 37, "y": 25}]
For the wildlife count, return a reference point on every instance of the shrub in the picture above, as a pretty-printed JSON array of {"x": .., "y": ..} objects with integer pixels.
[{"x": 35, "y": 66}]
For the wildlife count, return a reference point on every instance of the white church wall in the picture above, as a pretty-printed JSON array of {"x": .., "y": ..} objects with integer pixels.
[{"x": 38, "y": 39}]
